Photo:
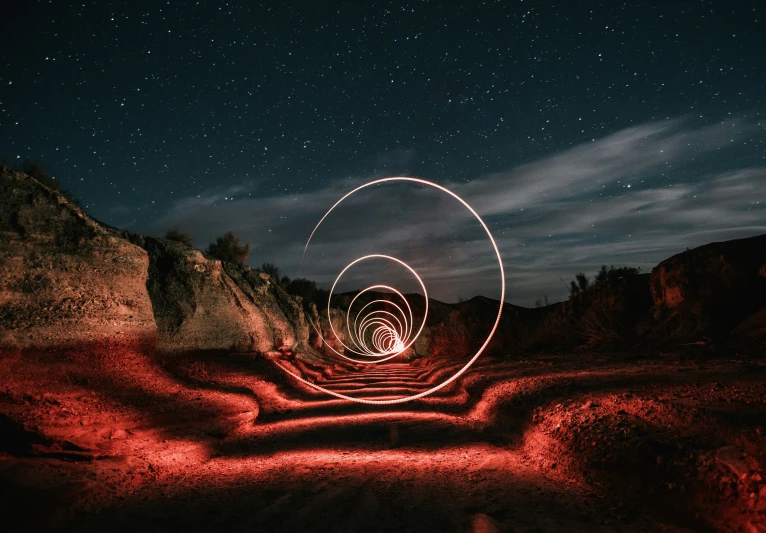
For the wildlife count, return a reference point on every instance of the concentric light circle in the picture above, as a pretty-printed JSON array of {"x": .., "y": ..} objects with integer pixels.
[{"x": 382, "y": 329}]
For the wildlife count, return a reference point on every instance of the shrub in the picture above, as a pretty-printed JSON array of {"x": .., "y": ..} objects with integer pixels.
[
  {"x": 308, "y": 291},
  {"x": 34, "y": 283},
  {"x": 272, "y": 270},
  {"x": 229, "y": 248},
  {"x": 611, "y": 274},
  {"x": 41, "y": 173},
  {"x": 601, "y": 323},
  {"x": 451, "y": 338},
  {"x": 581, "y": 283},
  {"x": 175, "y": 234}
]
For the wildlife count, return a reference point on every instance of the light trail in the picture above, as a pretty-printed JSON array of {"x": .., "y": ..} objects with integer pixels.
[{"x": 391, "y": 336}]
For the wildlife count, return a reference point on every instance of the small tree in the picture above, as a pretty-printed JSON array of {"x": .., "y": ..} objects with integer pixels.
[
  {"x": 41, "y": 173},
  {"x": 574, "y": 290},
  {"x": 175, "y": 234},
  {"x": 612, "y": 274},
  {"x": 272, "y": 270},
  {"x": 602, "y": 276},
  {"x": 229, "y": 248},
  {"x": 542, "y": 301},
  {"x": 623, "y": 272},
  {"x": 582, "y": 281}
]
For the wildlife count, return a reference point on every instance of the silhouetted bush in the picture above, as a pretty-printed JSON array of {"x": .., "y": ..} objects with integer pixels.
[
  {"x": 308, "y": 291},
  {"x": 229, "y": 248},
  {"x": 272, "y": 270},
  {"x": 581, "y": 283},
  {"x": 612, "y": 274},
  {"x": 605, "y": 313},
  {"x": 41, "y": 173},
  {"x": 175, "y": 234}
]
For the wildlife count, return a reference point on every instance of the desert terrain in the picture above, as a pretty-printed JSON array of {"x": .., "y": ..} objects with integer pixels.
[{"x": 147, "y": 386}]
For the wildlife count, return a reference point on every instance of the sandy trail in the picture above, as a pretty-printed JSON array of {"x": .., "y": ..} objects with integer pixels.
[{"x": 577, "y": 442}]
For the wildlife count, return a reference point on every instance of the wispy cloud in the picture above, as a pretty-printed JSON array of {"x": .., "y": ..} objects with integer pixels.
[{"x": 633, "y": 197}]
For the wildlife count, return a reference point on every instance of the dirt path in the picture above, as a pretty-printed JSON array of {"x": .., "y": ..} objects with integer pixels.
[{"x": 569, "y": 443}]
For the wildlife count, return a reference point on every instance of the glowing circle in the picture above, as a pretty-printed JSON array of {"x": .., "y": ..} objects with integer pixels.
[{"x": 381, "y": 335}]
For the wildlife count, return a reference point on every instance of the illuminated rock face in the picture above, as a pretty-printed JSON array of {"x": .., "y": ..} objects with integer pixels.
[
  {"x": 204, "y": 304},
  {"x": 64, "y": 279},
  {"x": 68, "y": 280}
]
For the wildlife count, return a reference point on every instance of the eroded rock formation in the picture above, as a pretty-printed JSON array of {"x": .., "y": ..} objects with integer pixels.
[
  {"x": 204, "y": 304},
  {"x": 69, "y": 280},
  {"x": 64, "y": 279}
]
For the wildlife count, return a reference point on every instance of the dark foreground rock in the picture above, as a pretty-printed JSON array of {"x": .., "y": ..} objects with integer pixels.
[{"x": 709, "y": 291}]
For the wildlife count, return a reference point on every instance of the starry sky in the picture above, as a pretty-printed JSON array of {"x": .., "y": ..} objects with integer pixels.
[{"x": 585, "y": 133}]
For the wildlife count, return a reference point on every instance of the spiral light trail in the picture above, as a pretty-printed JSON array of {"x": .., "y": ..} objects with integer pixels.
[{"x": 381, "y": 329}]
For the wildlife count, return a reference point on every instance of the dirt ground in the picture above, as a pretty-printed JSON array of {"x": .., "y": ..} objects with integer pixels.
[{"x": 100, "y": 438}]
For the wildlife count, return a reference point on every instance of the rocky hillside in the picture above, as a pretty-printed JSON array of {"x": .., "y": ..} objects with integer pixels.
[
  {"x": 713, "y": 294},
  {"x": 714, "y": 291},
  {"x": 67, "y": 280},
  {"x": 64, "y": 279},
  {"x": 201, "y": 303}
]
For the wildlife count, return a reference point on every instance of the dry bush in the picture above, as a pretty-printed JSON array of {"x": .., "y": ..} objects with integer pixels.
[
  {"x": 74, "y": 237},
  {"x": 175, "y": 234},
  {"x": 451, "y": 338},
  {"x": 552, "y": 331},
  {"x": 229, "y": 248},
  {"x": 601, "y": 323}
]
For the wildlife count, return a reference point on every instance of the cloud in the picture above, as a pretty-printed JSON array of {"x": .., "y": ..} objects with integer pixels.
[{"x": 630, "y": 198}]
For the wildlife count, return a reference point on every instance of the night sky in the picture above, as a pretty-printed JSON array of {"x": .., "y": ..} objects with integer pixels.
[{"x": 584, "y": 133}]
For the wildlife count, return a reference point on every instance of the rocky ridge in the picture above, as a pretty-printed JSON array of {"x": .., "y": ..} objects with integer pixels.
[{"x": 68, "y": 280}]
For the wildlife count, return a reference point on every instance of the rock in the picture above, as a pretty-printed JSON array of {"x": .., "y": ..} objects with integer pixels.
[
  {"x": 68, "y": 280},
  {"x": 119, "y": 434},
  {"x": 707, "y": 291},
  {"x": 203, "y": 304},
  {"x": 65, "y": 280},
  {"x": 321, "y": 334}
]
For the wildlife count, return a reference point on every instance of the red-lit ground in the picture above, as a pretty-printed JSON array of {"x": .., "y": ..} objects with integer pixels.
[{"x": 582, "y": 442}]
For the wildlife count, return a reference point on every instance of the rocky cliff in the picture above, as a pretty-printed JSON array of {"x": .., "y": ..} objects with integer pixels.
[
  {"x": 204, "y": 304},
  {"x": 66, "y": 279}
]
